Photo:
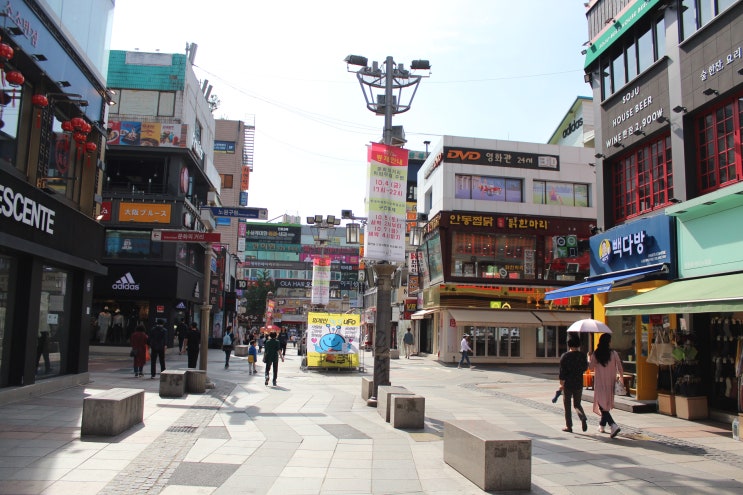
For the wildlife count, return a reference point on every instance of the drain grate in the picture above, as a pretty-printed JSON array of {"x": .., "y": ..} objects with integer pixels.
[{"x": 182, "y": 429}]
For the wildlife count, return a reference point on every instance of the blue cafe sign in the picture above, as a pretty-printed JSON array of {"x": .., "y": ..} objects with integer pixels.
[{"x": 643, "y": 242}]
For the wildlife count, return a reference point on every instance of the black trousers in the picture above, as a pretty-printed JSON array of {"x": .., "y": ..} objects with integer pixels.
[
  {"x": 193, "y": 354},
  {"x": 574, "y": 396},
  {"x": 160, "y": 354},
  {"x": 275, "y": 365}
]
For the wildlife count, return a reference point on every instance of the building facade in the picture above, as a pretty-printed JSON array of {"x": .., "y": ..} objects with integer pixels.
[
  {"x": 506, "y": 222},
  {"x": 52, "y": 105},
  {"x": 668, "y": 78},
  {"x": 159, "y": 174}
]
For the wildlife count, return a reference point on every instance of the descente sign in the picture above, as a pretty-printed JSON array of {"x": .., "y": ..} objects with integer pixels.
[{"x": 19, "y": 208}]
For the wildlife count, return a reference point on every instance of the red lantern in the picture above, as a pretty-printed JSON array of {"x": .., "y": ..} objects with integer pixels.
[
  {"x": 6, "y": 53},
  {"x": 15, "y": 78},
  {"x": 77, "y": 123},
  {"x": 79, "y": 137},
  {"x": 91, "y": 147},
  {"x": 67, "y": 126},
  {"x": 40, "y": 101},
  {"x": 86, "y": 128}
]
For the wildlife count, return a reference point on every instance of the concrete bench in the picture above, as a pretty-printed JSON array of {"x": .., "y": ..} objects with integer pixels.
[
  {"x": 112, "y": 412},
  {"x": 367, "y": 388},
  {"x": 407, "y": 411},
  {"x": 384, "y": 399},
  {"x": 241, "y": 350},
  {"x": 491, "y": 457},
  {"x": 173, "y": 383},
  {"x": 195, "y": 381}
]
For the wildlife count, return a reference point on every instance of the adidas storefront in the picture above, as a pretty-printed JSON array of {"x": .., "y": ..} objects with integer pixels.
[{"x": 141, "y": 294}]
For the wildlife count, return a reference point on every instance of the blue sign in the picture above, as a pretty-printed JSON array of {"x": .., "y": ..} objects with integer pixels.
[
  {"x": 224, "y": 147},
  {"x": 243, "y": 198},
  {"x": 239, "y": 212},
  {"x": 642, "y": 242}
]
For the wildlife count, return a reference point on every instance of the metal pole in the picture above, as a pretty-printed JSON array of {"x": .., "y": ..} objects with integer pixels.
[
  {"x": 384, "y": 270},
  {"x": 389, "y": 108}
]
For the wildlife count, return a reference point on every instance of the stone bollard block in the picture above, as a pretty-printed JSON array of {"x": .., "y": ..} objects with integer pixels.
[
  {"x": 491, "y": 457},
  {"x": 384, "y": 399},
  {"x": 407, "y": 411},
  {"x": 394, "y": 353},
  {"x": 367, "y": 388},
  {"x": 173, "y": 383},
  {"x": 195, "y": 381},
  {"x": 112, "y": 412},
  {"x": 241, "y": 350}
]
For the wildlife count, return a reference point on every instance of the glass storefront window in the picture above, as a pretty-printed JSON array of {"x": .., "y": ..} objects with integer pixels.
[
  {"x": 493, "y": 256},
  {"x": 551, "y": 341},
  {"x": 11, "y": 109},
  {"x": 53, "y": 327},
  {"x": 6, "y": 275},
  {"x": 494, "y": 342}
]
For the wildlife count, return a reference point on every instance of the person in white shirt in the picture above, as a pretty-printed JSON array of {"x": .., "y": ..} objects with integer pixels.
[{"x": 465, "y": 348}]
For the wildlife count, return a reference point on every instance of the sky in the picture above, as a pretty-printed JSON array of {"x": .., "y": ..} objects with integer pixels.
[{"x": 500, "y": 70}]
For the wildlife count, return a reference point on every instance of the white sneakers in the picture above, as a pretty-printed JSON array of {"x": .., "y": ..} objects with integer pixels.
[
  {"x": 615, "y": 430},
  {"x": 602, "y": 429}
]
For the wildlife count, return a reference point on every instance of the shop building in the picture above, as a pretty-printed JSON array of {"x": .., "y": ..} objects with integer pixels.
[
  {"x": 667, "y": 75},
  {"x": 507, "y": 222},
  {"x": 159, "y": 174},
  {"x": 52, "y": 103}
]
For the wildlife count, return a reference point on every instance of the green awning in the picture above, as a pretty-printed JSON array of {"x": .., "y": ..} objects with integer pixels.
[
  {"x": 617, "y": 28},
  {"x": 723, "y": 293}
]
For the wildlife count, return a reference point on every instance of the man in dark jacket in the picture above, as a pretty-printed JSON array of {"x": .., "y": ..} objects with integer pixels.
[
  {"x": 158, "y": 339},
  {"x": 191, "y": 343},
  {"x": 272, "y": 355},
  {"x": 572, "y": 366}
]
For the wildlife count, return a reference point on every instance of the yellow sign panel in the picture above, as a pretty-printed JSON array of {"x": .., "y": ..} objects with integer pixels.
[{"x": 144, "y": 212}]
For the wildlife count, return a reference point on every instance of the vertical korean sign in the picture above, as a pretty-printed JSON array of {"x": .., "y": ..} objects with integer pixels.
[
  {"x": 387, "y": 176},
  {"x": 321, "y": 280}
]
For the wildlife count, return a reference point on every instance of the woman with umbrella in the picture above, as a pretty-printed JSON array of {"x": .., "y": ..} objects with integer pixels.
[{"x": 605, "y": 364}]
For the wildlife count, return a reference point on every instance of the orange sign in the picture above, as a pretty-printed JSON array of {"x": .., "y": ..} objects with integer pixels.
[
  {"x": 245, "y": 179},
  {"x": 144, "y": 212}
]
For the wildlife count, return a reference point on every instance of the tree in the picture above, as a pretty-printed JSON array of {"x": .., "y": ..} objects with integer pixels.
[{"x": 255, "y": 296}]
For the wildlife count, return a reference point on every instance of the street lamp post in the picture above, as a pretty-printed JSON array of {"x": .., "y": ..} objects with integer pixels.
[{"x": 383, "y": 91}]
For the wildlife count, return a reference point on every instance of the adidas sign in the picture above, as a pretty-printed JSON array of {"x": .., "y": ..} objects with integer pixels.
[{"x": 126, "y": 283}]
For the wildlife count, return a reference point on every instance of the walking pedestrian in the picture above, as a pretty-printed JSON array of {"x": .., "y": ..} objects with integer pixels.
[
  {"x": 104, "y": 322},
  {"x": 138, "y": 340},
  {"x": 261, "y": 342},
  {"x": 252, "y": 358},
  {"x": 227, "y": 345},
  {"x": 572, "y": 366},
  {"x": 606, "y": 365},
  {"x": 465, "y": 349},
  {"x": 191, "y": 344},
  {"x": 272, "y": 355},
  {"x": 408, "y": 340},
  {"x": 283, "y": 340},
  {"x": 158, "y": 340},
  {"x": 181, "y": 330}
]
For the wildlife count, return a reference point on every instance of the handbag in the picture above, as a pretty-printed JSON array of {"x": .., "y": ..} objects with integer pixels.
[
  {"x": 264, "y": 358},
  {"x": 662, "y": 351},
  {"x": 133, "y": 353},
  {"x": 619, "y": 388}
]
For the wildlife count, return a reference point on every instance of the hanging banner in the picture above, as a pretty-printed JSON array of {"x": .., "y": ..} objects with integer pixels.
[
  {"x": 387, "y": 174},
  {"x": 333, "y": 340},
  {"x": 321, "y": 281}
]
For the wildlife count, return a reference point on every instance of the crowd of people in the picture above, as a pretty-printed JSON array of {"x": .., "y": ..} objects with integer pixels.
[{"x": 151, "y": 345}]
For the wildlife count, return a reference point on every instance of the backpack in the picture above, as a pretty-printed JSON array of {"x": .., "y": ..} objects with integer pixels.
[{"x": 226, "y": 340}]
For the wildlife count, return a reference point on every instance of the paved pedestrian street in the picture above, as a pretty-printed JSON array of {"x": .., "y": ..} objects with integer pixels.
[{"x": 313, "y": 434}]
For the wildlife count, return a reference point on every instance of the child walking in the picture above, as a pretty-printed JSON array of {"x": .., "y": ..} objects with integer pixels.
[{"x": 252, "y": 358}]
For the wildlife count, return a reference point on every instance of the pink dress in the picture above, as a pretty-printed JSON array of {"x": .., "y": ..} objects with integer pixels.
[{"x": 603, "y": 381}]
